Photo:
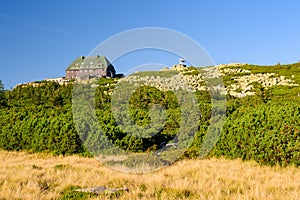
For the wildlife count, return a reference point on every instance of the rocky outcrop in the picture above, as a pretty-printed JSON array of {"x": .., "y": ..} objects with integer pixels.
[
  {"x": 226, "y": 71},
  {"x": 172, "y": 83},
  {"x": 244, "y": 84},
  {"x": 101, "y": 189},
  {"x": 188, "y": 79}
]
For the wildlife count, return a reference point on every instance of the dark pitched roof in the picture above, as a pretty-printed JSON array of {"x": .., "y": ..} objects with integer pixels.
[{"x": 91, "y": 62}]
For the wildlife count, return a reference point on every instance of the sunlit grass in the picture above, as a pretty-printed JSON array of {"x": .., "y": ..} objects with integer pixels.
[{"x": 42, "y": 176}]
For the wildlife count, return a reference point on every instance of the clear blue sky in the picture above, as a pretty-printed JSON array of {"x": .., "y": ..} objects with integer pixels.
[{"x": 40, "y": 38}]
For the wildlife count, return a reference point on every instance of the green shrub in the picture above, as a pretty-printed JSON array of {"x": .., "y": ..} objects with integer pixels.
[{"x": 268, "y": 134}]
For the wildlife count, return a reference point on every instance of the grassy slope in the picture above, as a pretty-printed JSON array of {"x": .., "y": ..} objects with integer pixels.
[{"x": 41, "y": 176}]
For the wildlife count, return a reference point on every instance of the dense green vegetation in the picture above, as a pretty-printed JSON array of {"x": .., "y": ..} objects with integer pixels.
[
  {"x": 139, "y": 107},
  {"x": 264, "y": 127},
  {"x": 39, "y": 119},
  {"x": 267, "y": 132}
]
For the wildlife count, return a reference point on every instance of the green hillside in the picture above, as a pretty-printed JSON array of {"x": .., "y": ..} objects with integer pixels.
[{"x": 262, "y": 114}]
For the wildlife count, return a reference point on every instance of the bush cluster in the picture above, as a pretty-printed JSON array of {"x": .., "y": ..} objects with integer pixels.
[{"x": 40, "y": 119}]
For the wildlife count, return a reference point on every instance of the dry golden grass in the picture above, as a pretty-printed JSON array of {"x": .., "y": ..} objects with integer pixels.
[{"x": 40, "y": 176}]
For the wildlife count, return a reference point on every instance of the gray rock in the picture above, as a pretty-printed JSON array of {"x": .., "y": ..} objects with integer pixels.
[{"x": 101, "y": 189}]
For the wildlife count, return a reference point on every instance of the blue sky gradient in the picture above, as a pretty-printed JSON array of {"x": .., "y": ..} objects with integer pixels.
[{"x": 39, "y": 39}]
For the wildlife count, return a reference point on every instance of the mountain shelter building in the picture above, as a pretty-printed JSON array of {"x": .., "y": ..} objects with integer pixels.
[{"x": 90, "y": 67}]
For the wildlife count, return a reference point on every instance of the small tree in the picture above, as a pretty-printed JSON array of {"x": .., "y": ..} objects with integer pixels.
[
  {"x": 3, "y": 101},
  {"x": 264, "y": 94}
]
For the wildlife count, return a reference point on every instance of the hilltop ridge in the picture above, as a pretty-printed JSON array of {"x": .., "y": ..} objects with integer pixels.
[{"x": 239, "y": 79}]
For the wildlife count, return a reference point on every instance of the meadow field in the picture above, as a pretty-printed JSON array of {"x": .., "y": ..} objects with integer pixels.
[{"x": 43, "y": 176}]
